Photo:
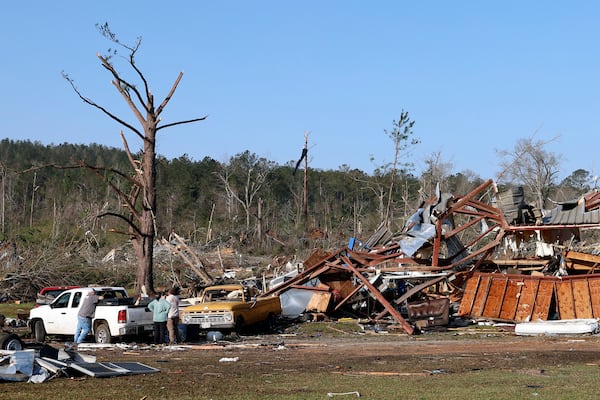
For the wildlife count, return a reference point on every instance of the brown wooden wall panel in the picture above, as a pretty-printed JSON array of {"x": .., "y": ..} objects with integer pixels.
[
  {"x": 594, "y": 285},
  {"x": 495, "y": 297},
  {"x": 564, "y": 298},
  {"x": 581, "y": 296},
  {"x": 511, "y": 299},
  {"x": 527, "y": 300},
  {"x": 468, "y": 298},
  {"x": 543, "y": 299},
  {"x": 481, "y": 297}
]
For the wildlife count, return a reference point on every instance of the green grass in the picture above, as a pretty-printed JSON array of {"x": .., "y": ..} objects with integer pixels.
[
  {"x": 237, "y": 382},
  {"x": 404, "y": 370},
  {"x": 10, "y": 310}
]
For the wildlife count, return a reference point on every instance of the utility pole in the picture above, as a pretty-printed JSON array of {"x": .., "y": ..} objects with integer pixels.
[{"x": 305, "y": 153}]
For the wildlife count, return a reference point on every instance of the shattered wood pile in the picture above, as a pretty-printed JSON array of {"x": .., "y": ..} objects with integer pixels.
[{"x": 443, "y": 252}]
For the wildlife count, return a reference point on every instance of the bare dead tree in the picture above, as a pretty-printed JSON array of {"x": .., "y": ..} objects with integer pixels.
[
  {"x": 529, "y": 163},
  {"x": 253, "y": 172},
  {"x": 139, "y": 213}
]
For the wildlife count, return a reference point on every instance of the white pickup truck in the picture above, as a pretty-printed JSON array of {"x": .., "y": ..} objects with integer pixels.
[{"x": 116, "y": 315}]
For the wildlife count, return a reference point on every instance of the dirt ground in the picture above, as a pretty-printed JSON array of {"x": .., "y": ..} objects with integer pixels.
[
  {"x": 446, "y": 351},
  {"x": 278, "y": 365}
]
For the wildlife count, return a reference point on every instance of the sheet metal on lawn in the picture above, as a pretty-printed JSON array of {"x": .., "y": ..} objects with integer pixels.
[{"x": 110, "y": 369}]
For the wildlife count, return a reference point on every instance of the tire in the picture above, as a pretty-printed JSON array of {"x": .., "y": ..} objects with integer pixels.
[
  {"x": 11, "y": 341},
  {"x": 192, "y": 333},
  {"x": 39, "y": 332},
  {"x": 102, "y": 334},
  {"x": 270, "y": 323},
  {"x": 240, "y": 326}
]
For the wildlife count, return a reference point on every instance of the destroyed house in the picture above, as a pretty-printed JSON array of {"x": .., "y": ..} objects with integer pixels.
[{"x": 439, "y": 261}]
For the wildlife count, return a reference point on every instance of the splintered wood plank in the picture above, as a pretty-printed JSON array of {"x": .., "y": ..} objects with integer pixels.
[
  {"x": 468, "y": 298},
  {"x": 481, "y": 297},
  {"x": 581, "y": 297},
  {"x": 543, "y": 299},
  {"x": 511, "y": 299},
  {"x": 495, "y": 297},
  {"x": 527, "y": 300},
  {"x": 594, "y": 285},
  {"x": 564, "y": 297}
]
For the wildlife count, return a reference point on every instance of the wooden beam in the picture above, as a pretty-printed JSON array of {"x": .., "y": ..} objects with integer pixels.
[{"x": 377, "y": 294}]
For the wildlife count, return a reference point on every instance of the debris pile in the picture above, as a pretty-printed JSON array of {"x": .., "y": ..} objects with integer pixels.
[{"x": 485, "y": 254}]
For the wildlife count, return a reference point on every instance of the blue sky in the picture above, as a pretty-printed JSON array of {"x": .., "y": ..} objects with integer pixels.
[{"x": 475, "y": 76}]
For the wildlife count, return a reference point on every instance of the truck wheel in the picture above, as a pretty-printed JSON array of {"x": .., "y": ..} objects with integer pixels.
[
  {"x": 192, "y": 333},
  {"x": 270, "y": 323},
  {"x": 102, "y": 334},
  {"x": 240, "y": 325},
  {"x": 39, "y": 332},
  {"x": 11, "y": 341}
]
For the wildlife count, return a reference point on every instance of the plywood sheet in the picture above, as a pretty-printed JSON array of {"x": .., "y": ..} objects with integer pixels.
[
  {"x": 481, "y": 297},
  {"x": 594, "y": 285},
  {"x": 581, "y": 296},
  {"x": 511, "y": 299},
  {"x": 564, "y": 297},
  {"x": 495, "y": 297},
  {"x": 319, "y": 302},
  {"x": 527, "y": 300},
  {"x": 468, "y": 298},
  {"x": 543, "y": 299}
]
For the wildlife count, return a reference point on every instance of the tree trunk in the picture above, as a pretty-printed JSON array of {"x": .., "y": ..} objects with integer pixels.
[{"x": 143, "y": 241}]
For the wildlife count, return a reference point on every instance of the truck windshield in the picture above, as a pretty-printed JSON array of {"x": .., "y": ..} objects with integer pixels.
[{"x": 222, "y": 295}]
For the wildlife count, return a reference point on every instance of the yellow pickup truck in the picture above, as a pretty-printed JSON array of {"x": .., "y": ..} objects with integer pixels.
[{"x": 230, "y": 308}]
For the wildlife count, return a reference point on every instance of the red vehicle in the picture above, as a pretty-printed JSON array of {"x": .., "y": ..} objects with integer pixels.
[{"x": 47, "y": 294}]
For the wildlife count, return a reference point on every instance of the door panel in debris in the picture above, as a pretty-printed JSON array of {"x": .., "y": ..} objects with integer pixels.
[
  {"x": 564, "y": 295},
  {"x": 543, "y": 299},
  {"x": 511, "y": 299},
  {"x": 468, "y": 298},
  {"x": 581, "y": 296},
  {"x": 527, "y": 300},
  {"x": 495, "y": 298},
  {"x": 594, "y": 284}
]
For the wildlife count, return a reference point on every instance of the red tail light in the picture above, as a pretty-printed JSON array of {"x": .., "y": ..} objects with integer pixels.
[{"x": 122, "y": 318}]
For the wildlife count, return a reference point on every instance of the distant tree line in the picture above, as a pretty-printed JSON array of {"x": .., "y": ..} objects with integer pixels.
[
  {"x": 49, "y": 206},
  {"x": 209, "y": 200}
]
